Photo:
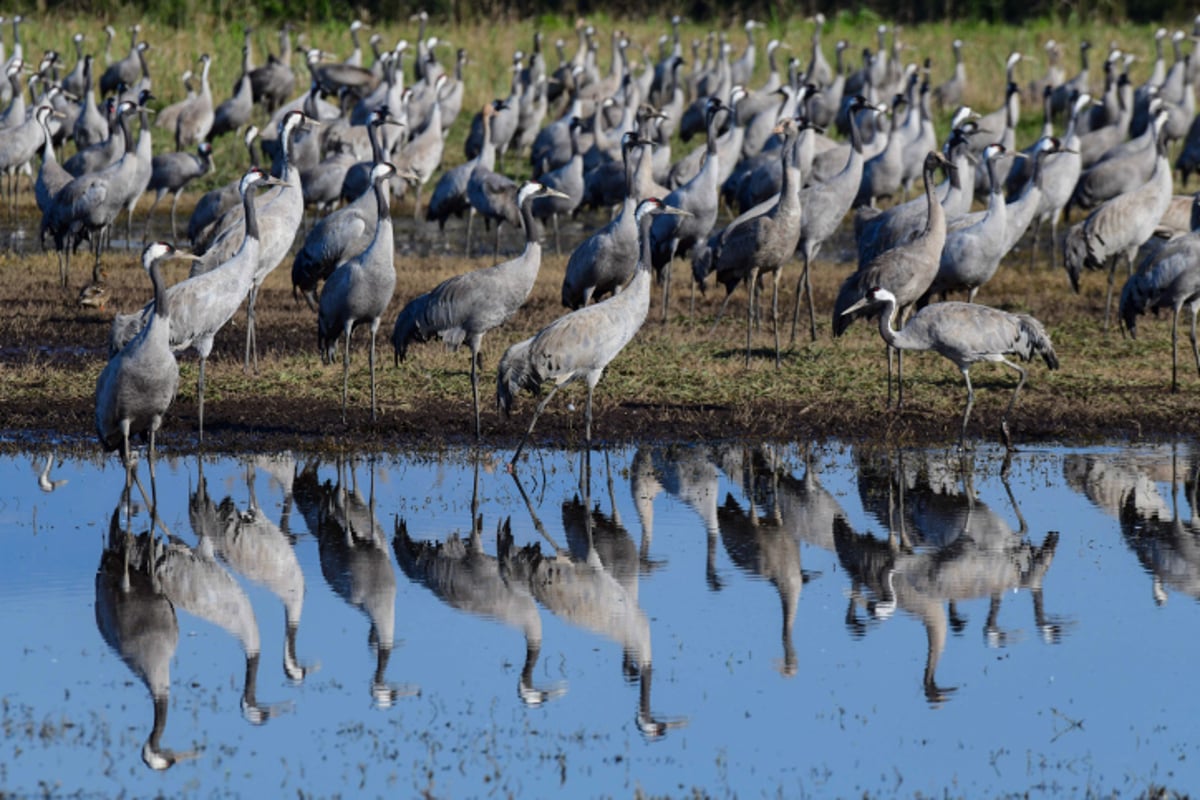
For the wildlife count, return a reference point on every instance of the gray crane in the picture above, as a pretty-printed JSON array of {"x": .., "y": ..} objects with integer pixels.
[
  {"x": 949, "y": 94},
  {"x": 489, "y": 193},
  {"x": 73, "y": 82},
  {"x": 971, "y": 254},
  {"x": 876, "y": 232},
  {"x": 449, "y": 196},
  {"x": 90, "y": 126},
  {"x": 213, "y": 204},
  {"x": 235, "y": 112},
  {"x": 1125, "y": 166},
  {"x": 1079, "y": 84},
  {"x": 1053, "y": 76},
  {"x": 763, "y": 244},
  {"x": 582, "y": 343},
  {"x": 1118, "y": 227},
  {"x": 358, "y": 178},
  {"x": 281, "y": 212},
  {"x": 965, "y": 333},
  {"x": 196, "y": 118},
  {"x": 89, "y": 204},
  {"x": 128, "y": 69},
  {"x": 137, "y": 386},
  {"x": 201, "y": 305},
  {"x": 169, "y": 115},
  {"x": 21, "y": 143},
  {"x": 172, "y": 172},
  {"x": 274, "y": 82},
  {"x": 1060, "y": 172},
  {"x": 337, "y": 237},
  {"x": 360, "y": 290},
  {"x": 1171, "y": 280},
  {"x": 423, "y": 153},
  {"x": 604, "y": 262},
  {"x": 674, "y": 234},
  {"x": 567, "y": 181},
  {"x": 742, "y": 69},
  {"x": 823, "y": 207},
  {"x": 51, "y": 177},
  {"x": 883, "y": 173},
  {"x": 467, "y": 306},
  {"x": 100, "y": 154},
  {"x": 906, "y": 271},
  {"x": 144, "y": 165}
]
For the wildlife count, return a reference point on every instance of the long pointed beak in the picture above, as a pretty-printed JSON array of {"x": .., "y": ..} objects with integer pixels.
[
  {"x": 548, "y": 192},
  {"x": 863, "y": 303},
  {"x": 679, "y": 212}
]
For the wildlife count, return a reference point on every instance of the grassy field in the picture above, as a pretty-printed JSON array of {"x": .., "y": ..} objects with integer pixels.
[{"x": 682, "y": 380}]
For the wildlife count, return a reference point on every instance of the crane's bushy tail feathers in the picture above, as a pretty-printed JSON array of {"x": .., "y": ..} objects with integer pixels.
[
  {"x": 1075, "y": 254},
  {"x": 1038, "y": 340},
  {"x": 1136, "y": 297},
  {"x": 514, "y": 374},
  {"x": 412, "y": 326}
]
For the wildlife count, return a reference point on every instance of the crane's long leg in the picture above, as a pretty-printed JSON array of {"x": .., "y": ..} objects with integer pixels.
[
  {"x": 751, "y": 285},
  {"x": 1054, "y": 240},
  {"x": 888, "y": 351},
  {"x": 249, "y": 328},
  {"x": 537, "y": 412},
  {"x": 1033, "y": 250},
  {"x": 720, "y": 312},
  {"x": 470, "y": 225},
  {"x": 775, "y": 313},
  {"x": 1012, "y": 401},
  {"x": 666, "y": 279},
  {"x": 153, "y": 478},
  {"x": 1195, "y": 351},
  {"x": 371, "y": 361},
  {"x": 150, "y": 218},
  {"x": 417, "y": 204},
  {"x": 1175, "y": 349},
  {"x": 962, "y": 438},
  {"x": 587, "y": 416},
  {"x": 803, "y": 288},
  {"x": 174, "y": 204},
  {"x": 346, "y": 371},
  {"x": 200, "y": 398},
  {"x": 557, "y": 246},
  {"x": 475, "y": 385}
]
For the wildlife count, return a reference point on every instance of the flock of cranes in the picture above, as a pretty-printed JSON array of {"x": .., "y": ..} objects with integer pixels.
[{"x": 766, "y": 151}]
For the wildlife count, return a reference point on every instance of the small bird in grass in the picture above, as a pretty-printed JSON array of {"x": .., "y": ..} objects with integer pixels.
[
  {"x": 965, "y": 333},
  {"x": 582, "y": 343}
]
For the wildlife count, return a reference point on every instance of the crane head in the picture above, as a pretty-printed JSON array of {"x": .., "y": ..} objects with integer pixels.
[{"x": 876, "y": 295}]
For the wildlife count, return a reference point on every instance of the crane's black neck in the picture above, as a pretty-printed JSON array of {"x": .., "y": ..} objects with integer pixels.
[
  {"x": 645, "y": 245},
  {"x": 251, "y": 213},
  {"x": 123, "y": 121},
  {"x": 373, "y": 138},
  {"x": 382, "y": 190},
  {"x": 527, "y": 218},
  {"x": 161, "y": 306}
]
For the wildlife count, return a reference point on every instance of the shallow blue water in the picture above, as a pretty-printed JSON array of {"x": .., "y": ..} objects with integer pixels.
[{"x": 750, "y": 620}]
